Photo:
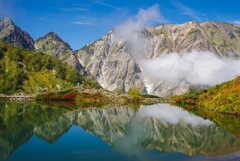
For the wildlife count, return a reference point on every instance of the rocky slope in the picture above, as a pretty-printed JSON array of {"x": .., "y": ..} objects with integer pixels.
[
  {"x": 114, "y": 67},
  {"x": 11, "y": 33},
  {"x": 52, "y": 44}
]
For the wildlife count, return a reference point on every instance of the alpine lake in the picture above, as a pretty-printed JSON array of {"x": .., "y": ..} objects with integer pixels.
[{"x": 163, "y": 132}]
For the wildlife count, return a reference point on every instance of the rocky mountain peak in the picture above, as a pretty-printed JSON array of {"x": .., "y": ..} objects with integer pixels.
[
  {"x": 6, "y": 21},
  {"x": 11, "y": 33},
  {"x": 53, "y": 45},
  {"x": 52, "y": 36}
]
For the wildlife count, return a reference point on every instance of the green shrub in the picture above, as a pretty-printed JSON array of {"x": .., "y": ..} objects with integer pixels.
[
  {"x": 134, "y": 92},
  {"x": 90, "y": 83}
]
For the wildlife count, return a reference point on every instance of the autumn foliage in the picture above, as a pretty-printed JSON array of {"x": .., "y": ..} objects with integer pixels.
[{"x": 224, "y": 97}]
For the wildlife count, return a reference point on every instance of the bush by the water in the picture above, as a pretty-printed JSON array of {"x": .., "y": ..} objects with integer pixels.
[{"x": 65, "y": 95}]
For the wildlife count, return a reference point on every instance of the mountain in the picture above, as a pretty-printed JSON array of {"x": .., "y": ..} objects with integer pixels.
[
  {"x": 53, "y": 45},
  {"x": 114, "y": 67},
  {"x": 11, "y": 33},
  {"x": 223, "y": 97}
]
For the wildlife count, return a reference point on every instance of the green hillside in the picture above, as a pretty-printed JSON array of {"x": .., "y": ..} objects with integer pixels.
[
  {"x": 27, "y": 71},
  {"x": 223, "y": 98}
]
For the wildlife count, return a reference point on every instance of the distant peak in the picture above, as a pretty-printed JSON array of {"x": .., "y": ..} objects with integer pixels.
[{"x": 50, "y": 35}]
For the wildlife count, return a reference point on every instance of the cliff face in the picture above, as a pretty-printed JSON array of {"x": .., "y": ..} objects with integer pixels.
[
  {"x": 11, "y": 33},
  {"x": 115, "y": 67}
]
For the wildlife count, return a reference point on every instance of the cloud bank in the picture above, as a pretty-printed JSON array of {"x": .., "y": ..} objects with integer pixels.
[{"x": 197, "y": 68}]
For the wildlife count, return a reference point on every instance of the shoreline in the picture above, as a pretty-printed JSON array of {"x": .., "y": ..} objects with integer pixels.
[
  {"x": 115, "y": 101},
  {"x": 85, "y": 96},
  {"x": 17, "y": 97}
]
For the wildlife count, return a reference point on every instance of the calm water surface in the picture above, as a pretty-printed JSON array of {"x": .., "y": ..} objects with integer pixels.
[{"x": 34, "y": 132}]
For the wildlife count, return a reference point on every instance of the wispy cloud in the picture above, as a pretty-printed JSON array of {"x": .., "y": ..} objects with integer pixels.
[
  {"x": 69, "y": 9},
  {"x": 109, "y": 5},
  {"x": 185, "y": 10},
  {"x": 83, "y": 23}
]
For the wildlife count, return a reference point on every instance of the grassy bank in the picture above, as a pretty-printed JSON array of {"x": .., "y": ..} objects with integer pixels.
[{"x": 223, "y": 98}]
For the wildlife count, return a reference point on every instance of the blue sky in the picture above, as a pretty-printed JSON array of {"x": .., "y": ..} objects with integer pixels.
[{"x": 82, "y": 21}]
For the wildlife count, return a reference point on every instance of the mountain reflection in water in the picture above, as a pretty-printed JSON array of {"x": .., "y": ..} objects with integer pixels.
[{"x": 151, "y": 132}]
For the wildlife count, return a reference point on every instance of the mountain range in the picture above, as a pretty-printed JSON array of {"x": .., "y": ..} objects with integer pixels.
[{"x": 111, "y": 63}]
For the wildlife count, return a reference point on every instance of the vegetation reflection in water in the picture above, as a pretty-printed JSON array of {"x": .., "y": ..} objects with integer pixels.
[{"x": 151, "y": 132}]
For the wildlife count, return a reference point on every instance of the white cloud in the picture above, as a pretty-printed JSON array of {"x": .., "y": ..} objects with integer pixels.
[
  {"x": 129, "y": 31},
  {"x": 197, "y": 68}
]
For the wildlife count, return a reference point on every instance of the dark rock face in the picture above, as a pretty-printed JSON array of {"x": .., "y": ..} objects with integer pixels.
[{"x": 11, "y": 33}]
